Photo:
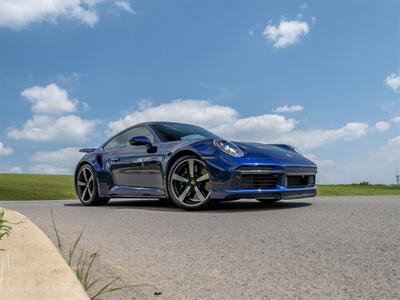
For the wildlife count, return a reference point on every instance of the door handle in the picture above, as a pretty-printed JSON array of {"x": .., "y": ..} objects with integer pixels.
[{"x": 115, "y": 159}]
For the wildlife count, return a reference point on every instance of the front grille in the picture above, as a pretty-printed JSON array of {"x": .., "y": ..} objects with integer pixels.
[
  {"x": 300, "y": 170},
  {"x": 258, "y": 181},
  {"x": 259, "y": 168},
  {"x": 298, "y": 181}
]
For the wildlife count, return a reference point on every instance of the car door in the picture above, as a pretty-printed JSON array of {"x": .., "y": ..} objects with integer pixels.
[{"x": 135, "y": 170}]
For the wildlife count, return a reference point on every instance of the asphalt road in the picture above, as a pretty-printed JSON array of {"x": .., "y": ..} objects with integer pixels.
[{"x": 320, "y": 248}]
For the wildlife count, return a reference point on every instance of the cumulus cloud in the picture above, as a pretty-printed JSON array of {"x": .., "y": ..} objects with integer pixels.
[
  {"x": 319, "y": 162},
  {"x": 124, "y": 5},
  {"x": 313, "y": 138},
  {"x": 393, "y": 82},
  {"x": 226, "y": 122},
  {"x": 381, "y": 126},
  {"x": 286, "y": 108},
  {"x": 43, "y": 128},
  {"x": 286, "y": 33},
  {"x": 396, "y": 120},
  {"x": 18, "y": 14},
  {"x": 49, "y": 100},
  {"x": 51, "y": 120},
  {"x": 62, "y": 161},
  {"x": 200, "y": 112},
  {"x": 5, "y": 150},
  {"x": 15, "y": 170}
]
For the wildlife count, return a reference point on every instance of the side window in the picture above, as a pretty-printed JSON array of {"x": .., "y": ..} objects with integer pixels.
[
  {"x": 122, "y": 140},
  {"x": 117, "y": 142}
]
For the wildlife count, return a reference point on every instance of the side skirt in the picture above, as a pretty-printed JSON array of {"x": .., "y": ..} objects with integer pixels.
[{"x": 128, "y": 191}]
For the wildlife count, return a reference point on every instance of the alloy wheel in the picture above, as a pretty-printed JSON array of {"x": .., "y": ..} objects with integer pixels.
[
  {"x": 190, "y": 182},
  {"x": 85, "y": 184}
]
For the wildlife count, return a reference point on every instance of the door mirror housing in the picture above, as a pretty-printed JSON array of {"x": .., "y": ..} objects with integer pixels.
[{"x": 140, "y": 141}]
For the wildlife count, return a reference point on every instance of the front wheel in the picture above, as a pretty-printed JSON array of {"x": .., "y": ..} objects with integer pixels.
[
  {"x": 86, "y": 187},
  {"x": 189, "y": 183}
]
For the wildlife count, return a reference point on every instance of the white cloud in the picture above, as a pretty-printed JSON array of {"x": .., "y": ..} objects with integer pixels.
[
  {"x": 124, "y": 5},
  {"x": 17, "y": 14},
  {"x": 291, "y": 108},
  {"x": 200, "y": 112},
  {"x": 62, "y": 161},
  {"x": 43, "y": 128},
  {"x": 286, "y": 33},
  {"x": 394, "y": 141},
  {"x": 320, "y": 162},
  {"x": 226, "y": 122},
  {"x": 313, "y": 138},
  {"x": 15, "y": 170},
  {"x": 393, "y": 82},
  {"x": 68, "y": 78},
  {"x": 262, "y": 128},
  {"x": 49, "y": 100},
  {"x": 49, "y": 122},
  {"x": 381, "y": 126},
  {"x": 5, "y": 150},
  {"x": 396, "y": 120}
]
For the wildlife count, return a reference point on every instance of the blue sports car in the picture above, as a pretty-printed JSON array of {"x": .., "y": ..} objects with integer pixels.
[{"x": 190, "y": 166}]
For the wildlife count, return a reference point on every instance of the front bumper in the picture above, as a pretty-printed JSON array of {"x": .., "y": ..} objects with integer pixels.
[
  {"x": 265, "y": 194},
  {"x": 261, "y": 180}
]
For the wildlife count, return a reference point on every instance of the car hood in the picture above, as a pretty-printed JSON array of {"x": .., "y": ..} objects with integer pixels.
[{"x": 277, "y": 153}]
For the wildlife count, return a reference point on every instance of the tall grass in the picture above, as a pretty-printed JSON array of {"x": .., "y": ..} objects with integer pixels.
[
  {"x": 5, "y": 229},
  {"x": 82, "y": 262}
]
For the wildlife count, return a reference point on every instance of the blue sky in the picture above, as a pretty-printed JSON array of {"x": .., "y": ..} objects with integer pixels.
[{"x": 323, "y": 75}]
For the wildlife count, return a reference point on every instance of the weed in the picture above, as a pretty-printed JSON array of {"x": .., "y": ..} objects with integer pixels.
[
  {"x": 5, "y": 229},
  {"x": 81, "y": 262}
]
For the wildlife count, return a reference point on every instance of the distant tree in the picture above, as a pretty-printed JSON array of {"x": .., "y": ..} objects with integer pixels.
[{"x": 364, "y": 183}]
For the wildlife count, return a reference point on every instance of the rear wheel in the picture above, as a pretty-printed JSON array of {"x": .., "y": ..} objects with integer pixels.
[
  {"x": 189, "y": 183},
  {"x": 86, "y": 187}
]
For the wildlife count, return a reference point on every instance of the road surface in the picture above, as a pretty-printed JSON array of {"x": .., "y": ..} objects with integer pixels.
[{"x": 325, "y": 247}]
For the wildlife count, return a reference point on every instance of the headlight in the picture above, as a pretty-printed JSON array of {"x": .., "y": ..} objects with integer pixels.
[{"x": 229, "y": 148}]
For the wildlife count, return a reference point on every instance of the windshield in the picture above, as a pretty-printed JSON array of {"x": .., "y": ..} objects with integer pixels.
[{"x": 170, "y": 132}]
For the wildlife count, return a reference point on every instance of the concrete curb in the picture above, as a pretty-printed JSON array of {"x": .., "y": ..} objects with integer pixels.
[{"x": 31, "y": 267}]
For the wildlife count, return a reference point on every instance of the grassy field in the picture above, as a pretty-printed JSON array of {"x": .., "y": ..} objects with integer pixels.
[
  {"x": 36, "y": 187},
  {"x": 47, "y": 187},
  {"x": 355, "y": 189}
]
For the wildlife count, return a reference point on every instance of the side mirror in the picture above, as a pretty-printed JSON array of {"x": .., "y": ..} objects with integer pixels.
[{"x": 140, "y": 141}]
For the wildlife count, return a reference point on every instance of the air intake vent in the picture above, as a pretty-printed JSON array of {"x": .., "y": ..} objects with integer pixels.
[
  {"x": 258, "y": 181},
  {"x": 299, "y": 181}
]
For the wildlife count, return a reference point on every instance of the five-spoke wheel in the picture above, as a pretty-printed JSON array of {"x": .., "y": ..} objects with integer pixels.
[
  {"x": 189, "y": 183},
  {"x": 86, "y": 187}
]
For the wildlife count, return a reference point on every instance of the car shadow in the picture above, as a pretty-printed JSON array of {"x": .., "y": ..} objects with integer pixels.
[{"x": 219, "y": 207}]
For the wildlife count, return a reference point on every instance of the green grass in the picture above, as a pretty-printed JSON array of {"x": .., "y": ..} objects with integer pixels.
[
  {"x": 55, "y": 187},
  {"x": 36, "y": 187},
  {"x": 356, "y": 189}
]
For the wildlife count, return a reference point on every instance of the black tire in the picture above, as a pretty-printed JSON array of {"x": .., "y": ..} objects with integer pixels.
[
  {"x": 86, "y": 187},
  {"x": 196, "y": 194}
]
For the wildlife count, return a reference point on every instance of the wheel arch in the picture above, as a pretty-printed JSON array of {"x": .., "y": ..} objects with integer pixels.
[
  {"x": 79, "y": 165},
  {"x": 178, "y": 155},
  {"x": 174, "y": 157}
]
